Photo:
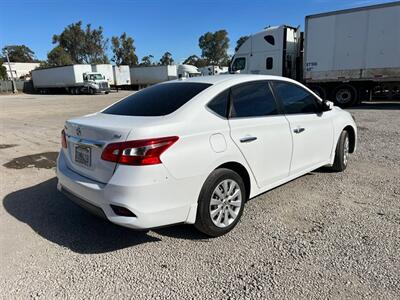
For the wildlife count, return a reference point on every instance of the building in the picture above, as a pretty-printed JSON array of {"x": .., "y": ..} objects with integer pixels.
[{"x": 20, "y": 69}]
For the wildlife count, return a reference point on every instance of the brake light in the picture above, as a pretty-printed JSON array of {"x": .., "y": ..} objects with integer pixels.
[
  {"x": 63, "y": 139},
  {"x": 138, "y": 153}
]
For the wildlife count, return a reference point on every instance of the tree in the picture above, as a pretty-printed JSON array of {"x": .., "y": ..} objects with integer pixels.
[
  {"x": 124, "y": 50},
  {"x": 167, "y": 59},
  {"x": 82, "y": 46},
  {"x": 214, "y": 47},
  {"x": 241, "y": 41},
  {"x": 194, "y": 60},
  {"x": 57, "y": 57},
  {"x": 147, "y": 61},
  {"x": 95, "y": 46},
  {"x": 3, "y": 70},
  {"x": 19, "y": 53}
]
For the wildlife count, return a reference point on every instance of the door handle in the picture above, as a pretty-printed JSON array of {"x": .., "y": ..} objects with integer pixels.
[
  {"x": 299, "y": 130},
  {"x": 248, "y": 139}
]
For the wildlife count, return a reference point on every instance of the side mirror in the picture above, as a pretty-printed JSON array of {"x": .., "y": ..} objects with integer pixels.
[{"x": 327, "y": 105}]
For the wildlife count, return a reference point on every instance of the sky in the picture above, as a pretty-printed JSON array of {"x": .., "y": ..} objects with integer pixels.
[{"x": 157, "y": 26}]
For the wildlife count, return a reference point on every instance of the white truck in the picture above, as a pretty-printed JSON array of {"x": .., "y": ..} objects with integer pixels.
[
  {"x": 187, "y": 71},
  {"x": 343, "y": 55},
  {"x": 74, "y": 79}
]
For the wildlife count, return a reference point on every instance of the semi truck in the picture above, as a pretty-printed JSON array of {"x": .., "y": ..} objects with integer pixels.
[
  {"x": 343, "y": 55},
  {"x": 74, "y": 79},
  {"x": 187, "y": 71}
]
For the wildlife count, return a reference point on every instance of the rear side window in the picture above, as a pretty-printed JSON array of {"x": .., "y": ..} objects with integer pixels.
[
  {"x": 270, "y": 39},
  {"x": 295, "y": 99},
  {"x": 219, "y": 104},
  {"x": 269, "y": 64},
  {"x": 253, "y": 100},
  {"x": 158, "y": 100}
]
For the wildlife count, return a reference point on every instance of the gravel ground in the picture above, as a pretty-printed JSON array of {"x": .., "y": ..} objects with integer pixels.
[{"x": 324, "y": 235}]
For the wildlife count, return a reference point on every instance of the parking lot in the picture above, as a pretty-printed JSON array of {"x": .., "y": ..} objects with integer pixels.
[{"x": 324, "y": 235}]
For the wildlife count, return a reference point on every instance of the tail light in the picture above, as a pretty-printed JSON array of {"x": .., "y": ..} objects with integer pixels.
[
  {"x": 138, "y": 153},
  {"x": 63, "y": 139}
]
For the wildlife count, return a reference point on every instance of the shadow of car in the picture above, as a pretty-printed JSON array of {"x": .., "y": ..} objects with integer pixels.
[{"x": 54, "y": 217}]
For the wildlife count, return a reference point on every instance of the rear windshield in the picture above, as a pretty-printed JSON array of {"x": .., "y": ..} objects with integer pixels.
[{"x": 158, "y": 100}]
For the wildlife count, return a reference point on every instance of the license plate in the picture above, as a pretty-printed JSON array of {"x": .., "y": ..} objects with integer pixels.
[{"x": 83, "y": 155}]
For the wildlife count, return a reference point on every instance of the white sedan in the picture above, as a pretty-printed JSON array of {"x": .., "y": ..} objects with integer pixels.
[{"x": 194, "y": 151}]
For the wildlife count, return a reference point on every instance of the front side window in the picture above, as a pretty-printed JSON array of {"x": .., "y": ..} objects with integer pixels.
[
  {"x": 157, "y": 100},
  {"x": 295, "y": 99},
  {"x": 219, "y": 104},
  {"x": 253, "y": 100},
  {"x": 239, "y": 64},
  {"x": 95, "y": 77}
]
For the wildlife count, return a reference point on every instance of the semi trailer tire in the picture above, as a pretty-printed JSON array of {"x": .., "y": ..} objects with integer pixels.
[{"x": 344, "y": 95}]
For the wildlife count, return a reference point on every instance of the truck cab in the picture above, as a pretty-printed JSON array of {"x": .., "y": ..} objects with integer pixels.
[
  {"x": 95, "y": 83},
  {"x": 273, "y": 51},
  {"x": 187, "y": 71}
]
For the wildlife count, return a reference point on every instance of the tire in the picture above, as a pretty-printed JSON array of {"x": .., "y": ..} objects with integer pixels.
[
  {"x": 344, "y": 95},
  {"x": 106, "y": 93},
  {"x": 227, "y": 209},
  {"x": 342, "y": 152},
  {"x": 91, "y": 91}
]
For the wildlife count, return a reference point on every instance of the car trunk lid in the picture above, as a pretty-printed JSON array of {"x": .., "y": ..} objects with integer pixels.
[{"x": 86, "y": 139}]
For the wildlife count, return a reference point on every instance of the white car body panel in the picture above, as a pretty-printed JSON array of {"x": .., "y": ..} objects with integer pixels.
[
  {"x": 167, "y": 193},
  {"x": 259, "y": 153}
]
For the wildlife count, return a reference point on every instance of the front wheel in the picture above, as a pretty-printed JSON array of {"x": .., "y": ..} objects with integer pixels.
[
  {"x": 342, "y": 152},
  {"x": 221, "y": 203}
]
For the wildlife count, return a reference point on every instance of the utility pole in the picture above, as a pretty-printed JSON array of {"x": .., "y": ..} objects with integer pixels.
[{"x": 11, "y": 73}]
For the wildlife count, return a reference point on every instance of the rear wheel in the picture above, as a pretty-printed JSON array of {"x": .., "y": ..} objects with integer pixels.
[
  {"x": 221, "y": 203},
  {"x": 344, "y": 95},
  {"x": 342, "y": 152}
]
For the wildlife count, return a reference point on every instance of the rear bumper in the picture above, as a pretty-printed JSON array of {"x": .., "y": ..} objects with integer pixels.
[{"x": 153, "y": 196}]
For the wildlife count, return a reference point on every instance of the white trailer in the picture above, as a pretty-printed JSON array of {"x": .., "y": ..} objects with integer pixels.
[
  {"x": 347, "y": 53},
  {"x": 122, "y": 75},
  {"x": 350, "y": 51},
  {"x": 106, "y": 70},
  {"x": 144, "y": 76},
  {"x": 74, "y": 79}
]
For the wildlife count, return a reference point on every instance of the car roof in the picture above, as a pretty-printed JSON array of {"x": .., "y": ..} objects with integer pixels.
[{"x": 216, "y": 79}]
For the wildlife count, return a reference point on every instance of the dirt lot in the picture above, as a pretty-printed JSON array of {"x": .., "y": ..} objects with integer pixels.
[{"x": 324, "y": 235}]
